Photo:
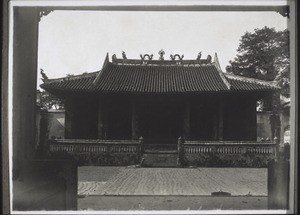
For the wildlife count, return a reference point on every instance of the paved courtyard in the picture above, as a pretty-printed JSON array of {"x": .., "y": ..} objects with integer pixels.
[{"x": 130, "y": 181}]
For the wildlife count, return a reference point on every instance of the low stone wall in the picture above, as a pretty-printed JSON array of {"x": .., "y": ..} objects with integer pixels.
[
  {"x": 227, "y": 160},
  {"x": 226, "y": 154},
  {"x": 99, "y": 159},
  {"x": 97, "y": 152}
]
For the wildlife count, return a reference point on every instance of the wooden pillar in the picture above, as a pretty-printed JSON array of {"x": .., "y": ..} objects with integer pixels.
[
  {"x": 216, "y": 123},
  {"x": 253, "y": 120},
  {"x": 187, "y": 120},
  {"x": 134, "y": 124},
  {"x": 275, "y": 115},
  {"x": 100, "y": 124},
  {"x": 221, "y": 121},
  {"x": 69, "y": 121},
  {"x": 25, "y": 53}
]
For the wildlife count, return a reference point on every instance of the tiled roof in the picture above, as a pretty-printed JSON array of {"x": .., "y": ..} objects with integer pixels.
[
  {"x": 159, "y": 79},
  {"x": 73, "y": 83},
  {"x": 156, "y": 79},
  {"x": 239, "y": 83}
]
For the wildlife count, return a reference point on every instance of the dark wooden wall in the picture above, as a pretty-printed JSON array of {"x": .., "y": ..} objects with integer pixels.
[
  {"x": 212, "y": 117},
  {"x": 240, "y": 118},
  {"x": 204, "y": 118},
  {"x": 81, "y": 117}
]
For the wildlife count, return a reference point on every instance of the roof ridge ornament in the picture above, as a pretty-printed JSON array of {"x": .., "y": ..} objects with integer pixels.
[
  {"x": 43, "y": 12},
  {"x": 199, "y": 56},
  {"x": 176, "y": 59},
  {"x": 114, "y": 58},
  {"x": 173, "y": 57},
  {"x": 208, "y": 58},
  {"x": 143, "y": 57},
  {"x": 124, "y": 55},
  {"x": 44, "y": 76},
  {"x": 161, "y": 54}
]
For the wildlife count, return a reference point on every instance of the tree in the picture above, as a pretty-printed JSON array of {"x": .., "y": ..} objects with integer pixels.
[
  {"x": 262, "y": 54},
  {"x": 48, "y": 101}
]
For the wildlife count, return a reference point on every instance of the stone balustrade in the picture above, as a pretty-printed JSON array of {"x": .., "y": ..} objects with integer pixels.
[
  {"x": 94, "y": 146},
  {"x": 228, "y": 147},
  {"x": 225, "y": 153}
]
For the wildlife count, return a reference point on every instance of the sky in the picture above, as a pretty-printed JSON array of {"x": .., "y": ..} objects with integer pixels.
[{"x": 74, "y": 42}]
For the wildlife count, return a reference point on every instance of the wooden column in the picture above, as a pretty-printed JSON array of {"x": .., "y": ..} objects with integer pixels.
[
  {"x": 69, "y": 114},
  {"x": 216, "y": 124},
  {"x": 100, "y": 124},
  {"x": 187, "y": 120},
  {"x": 221, "y": 121},
  {"x": 253, "y": 120},
  {"x": 25, "y": 53},
  {"x": 134, "y": 125}
]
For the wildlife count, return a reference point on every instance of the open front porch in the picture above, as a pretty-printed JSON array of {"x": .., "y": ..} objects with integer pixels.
[{"x": 163, "y": 119}]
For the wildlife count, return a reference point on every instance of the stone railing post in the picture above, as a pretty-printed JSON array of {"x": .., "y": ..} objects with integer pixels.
[
  {"x": 277, "y": 154},
  {"x": 286, "y": 151},
  {"x": 141, "y": 140},
  {"x": 47, "y": 147},
  {"x": 108, "y": 149}
]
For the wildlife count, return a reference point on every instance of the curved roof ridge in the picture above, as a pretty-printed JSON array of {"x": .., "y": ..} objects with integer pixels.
[
  {"x": 73, "y": 77},
  {"x": 251, "y": 80},
  {"x": 221, "y": 73},
  {"x": 106, "y": 62}
]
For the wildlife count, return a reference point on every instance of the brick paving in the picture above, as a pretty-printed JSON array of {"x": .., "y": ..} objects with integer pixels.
[{"x": 130, "y": 181}]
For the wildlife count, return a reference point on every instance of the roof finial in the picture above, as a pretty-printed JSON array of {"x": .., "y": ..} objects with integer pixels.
[
  {"x": 199, "y": 56},
  {"x": 44, "y": 76},
  {"x": 176, "y": 55},
  {"x": 216, "y": 61},
  {"x": 114, "y": 58},
  {"x": 124, "y": 55},
  {"x": 208, "y": 59},
  {"x": 143, "y": 57},
  {"x": 161, "y": 54}
]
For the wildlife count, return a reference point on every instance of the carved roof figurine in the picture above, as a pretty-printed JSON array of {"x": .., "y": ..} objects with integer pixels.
[
  {"x": 114, "y": 58},
  {"x": 44, "y": 76},
  {"x": 209, "y": 58},
  {"x": 199, "y": 56},
  {"x": 124, "y": 55},
  {"x": 176, "y": 55},
  {"x": 161, "y": 54},
  {"x": 143, "y": 57}
]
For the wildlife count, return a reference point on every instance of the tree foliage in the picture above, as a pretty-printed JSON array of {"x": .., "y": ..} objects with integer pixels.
[
  {"x": 261, "y": 54},
  {"x": 48, "y": 101}
]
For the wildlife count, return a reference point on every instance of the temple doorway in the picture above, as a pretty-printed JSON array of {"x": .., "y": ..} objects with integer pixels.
[{"x": 162, "y": 120}]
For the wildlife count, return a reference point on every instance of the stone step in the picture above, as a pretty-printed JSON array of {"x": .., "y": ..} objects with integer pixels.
[
  {"x": 159, "y": 160},
  {"x": 153, "y": 151},
  {"x": 160, "y": 148}
]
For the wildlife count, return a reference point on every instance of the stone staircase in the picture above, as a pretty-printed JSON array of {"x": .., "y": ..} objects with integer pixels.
[
  {"x": 159, "y": 155},
  {"x": 159, "y": 160}
]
